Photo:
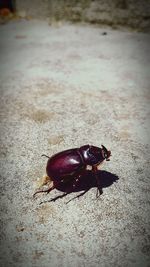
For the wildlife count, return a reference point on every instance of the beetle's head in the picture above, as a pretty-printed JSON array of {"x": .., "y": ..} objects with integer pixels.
[{"x": 106, "y": 153}]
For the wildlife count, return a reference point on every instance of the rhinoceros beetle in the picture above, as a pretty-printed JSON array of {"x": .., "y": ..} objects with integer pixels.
[{"x": 71, "y": 163}]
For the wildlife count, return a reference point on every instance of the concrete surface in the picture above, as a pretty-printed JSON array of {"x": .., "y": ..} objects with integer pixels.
[{"x": 62, "y": 87}]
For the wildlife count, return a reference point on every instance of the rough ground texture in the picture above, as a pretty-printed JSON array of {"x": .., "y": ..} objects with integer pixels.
[
  {"x": 61, "y": 88},
  {"x": 129, "y": 13}
]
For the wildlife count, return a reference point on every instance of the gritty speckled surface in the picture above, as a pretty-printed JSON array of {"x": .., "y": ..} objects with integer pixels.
[{"x": 62, "y": 87}]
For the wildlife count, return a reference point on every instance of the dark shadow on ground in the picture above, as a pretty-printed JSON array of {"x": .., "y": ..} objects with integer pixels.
[{"x": 86, "y": 182}]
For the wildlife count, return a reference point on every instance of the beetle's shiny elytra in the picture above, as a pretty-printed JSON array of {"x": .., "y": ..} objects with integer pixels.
[{"x": 71, "y": 163}]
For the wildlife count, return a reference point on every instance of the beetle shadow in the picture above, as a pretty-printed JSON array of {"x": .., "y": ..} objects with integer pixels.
[{"x": 85, "y": 183}]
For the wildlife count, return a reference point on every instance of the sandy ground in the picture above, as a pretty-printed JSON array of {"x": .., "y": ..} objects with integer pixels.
[{"x": 63, "y": 87}]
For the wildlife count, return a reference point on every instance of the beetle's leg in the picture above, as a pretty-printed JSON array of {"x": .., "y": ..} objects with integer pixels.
[
  {"x": 99, "y": 189},
  {"x": 44, "y": 190},
  {"x": 61, "y": 196},
  {"x": 78, "y": 195},
  {"x": 43, "y": 155}
]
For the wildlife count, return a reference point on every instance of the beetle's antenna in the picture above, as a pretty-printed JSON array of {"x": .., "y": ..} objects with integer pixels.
[
  {"x": 43, "y": 155},
  {"x": 47, "y": 190}
]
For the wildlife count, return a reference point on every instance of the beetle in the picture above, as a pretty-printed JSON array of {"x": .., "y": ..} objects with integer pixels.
[{"x": 71, "y": 163}]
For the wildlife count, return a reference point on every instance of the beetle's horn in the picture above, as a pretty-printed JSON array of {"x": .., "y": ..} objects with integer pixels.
[{"x": 104, "y": 148}]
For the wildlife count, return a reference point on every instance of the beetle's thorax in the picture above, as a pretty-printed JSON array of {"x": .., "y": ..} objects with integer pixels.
[{"x": 91, "y": 155}]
